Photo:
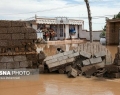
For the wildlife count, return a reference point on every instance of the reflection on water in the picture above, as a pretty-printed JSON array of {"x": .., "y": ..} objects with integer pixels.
[{"x": 58, "y": 84}]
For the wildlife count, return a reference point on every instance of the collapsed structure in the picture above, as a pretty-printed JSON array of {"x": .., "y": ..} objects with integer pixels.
[{"x": 17, "y": 47}]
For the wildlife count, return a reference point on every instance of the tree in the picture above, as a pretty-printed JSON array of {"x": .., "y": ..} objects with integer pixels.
[
  {"x": 117, "y": 16},
  {"x": 89, "y": 19}
]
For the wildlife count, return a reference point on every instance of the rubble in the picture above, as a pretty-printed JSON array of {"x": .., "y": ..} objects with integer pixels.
[{"x": 89, "y": 61}]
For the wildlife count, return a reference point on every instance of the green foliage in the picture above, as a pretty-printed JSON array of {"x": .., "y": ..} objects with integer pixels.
[
  {"x": 117, "y": 16},
  {"x": 103, "y": 34}
]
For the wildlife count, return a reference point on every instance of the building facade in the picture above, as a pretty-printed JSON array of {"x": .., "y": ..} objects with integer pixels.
[
  {"x": 60, "y": 25},
  {"x": 113, "y": 31}
]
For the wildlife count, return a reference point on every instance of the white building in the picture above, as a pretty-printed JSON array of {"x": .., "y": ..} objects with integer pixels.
[{"x": 61, "y": 25}]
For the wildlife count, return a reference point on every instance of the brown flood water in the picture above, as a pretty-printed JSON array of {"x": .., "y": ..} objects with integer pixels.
[{"x": 58, "y": 84}]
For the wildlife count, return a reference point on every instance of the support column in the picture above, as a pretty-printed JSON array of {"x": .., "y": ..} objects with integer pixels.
[
  {"x": 80, "y": 30},
  {"x": 67, "y": 31},
  {"x": 76, "y": 29},
  {"x": 58, "y": 32}
]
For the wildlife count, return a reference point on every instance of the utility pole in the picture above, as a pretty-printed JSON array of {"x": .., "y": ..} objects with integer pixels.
[{"x": 89, "y": 19}]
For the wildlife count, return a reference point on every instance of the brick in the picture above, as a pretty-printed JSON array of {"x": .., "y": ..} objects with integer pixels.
[
  {"x": 24, "y": 64},
  {"x": 17, "y": 36},
  {"x": 86, "y": 62},
  {"x": 18, "y": 24},
  {"x": 20, "y": 58},
  {"x": 5, "y": 23},
  {"x": 13, "y": 65},
  {"x": 6, "y": 59},
  {"x": 31, "y": 36},
  {"x": 14, "y": 30},
  {"x": 5, "y": 36},
  {"x": 95, "y": 60},
  {"x": 2, "y": 65},
  {"x": 3, "y": 30},
  {"x": 3, "y": 43}
]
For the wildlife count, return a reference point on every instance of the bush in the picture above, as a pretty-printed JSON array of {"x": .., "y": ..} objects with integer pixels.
[{"x": 103, "y": 34}]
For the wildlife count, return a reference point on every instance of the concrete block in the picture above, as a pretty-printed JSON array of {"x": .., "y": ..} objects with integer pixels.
[
  {"x": 24, "y": 64},
  {"x": 5, "y": 36},
  {"x": 48, "y": 58},
  {"x": 6, "y": 59},
  {"x": 60, "y": 58},
  {"x": 70, "y": 55},
  {"x": 70, "y": 60},
  {"x": 95, "y": 60},
  {"x": 20, "y": 58},
  {"x": 58, "y": 55},
  {"x": 51, "y": 61},
  {"x": 100, "y": 54},
  {"x": 61, "y": 71},
  {"x": 63, "y": 62},
  {"x": 85, "y": 54},
  {"x": 65, "y": 57},
  {"x": 68, "y": 52},
  {"x": 85, "y": 68},
  {"x": 112, "y": 68},
  {"x": 76, "y": 54},
  {"x": 3, "y": 65},
  {"x": 68, "y": 68},
  {"x": 72, "y": 73},
  {"x": 100, "y": 65},
  {"x": 41, "y": 68},
  {"x": 91, "y": 70},
  {"x": 86, "y": 62},
  {"x": 17, "y": 36},
  {"x": 13, "y": 65},
  {"x": 55, "y": 64}
]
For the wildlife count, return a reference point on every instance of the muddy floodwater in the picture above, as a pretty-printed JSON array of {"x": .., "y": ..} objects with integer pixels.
[{"x": 59, "y": 84}]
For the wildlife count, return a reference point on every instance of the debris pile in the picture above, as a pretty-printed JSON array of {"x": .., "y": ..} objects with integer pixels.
[
  {"x": 82, "y": 61},
  {"x": 17, "y": 48},
  {"x": 113, "y": 71}
]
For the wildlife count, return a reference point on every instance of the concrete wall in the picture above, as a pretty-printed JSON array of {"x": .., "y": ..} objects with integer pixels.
[{"x": 85, "y": 34}]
